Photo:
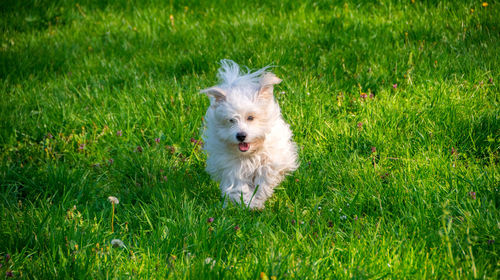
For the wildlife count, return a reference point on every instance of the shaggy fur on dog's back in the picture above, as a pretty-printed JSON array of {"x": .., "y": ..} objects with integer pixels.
[{"x": 248, "y": 144}]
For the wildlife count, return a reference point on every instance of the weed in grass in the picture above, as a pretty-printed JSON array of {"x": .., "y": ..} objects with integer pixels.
[
  {"x": 84, "y": 85},
  {"x": 114, "y": 201}
]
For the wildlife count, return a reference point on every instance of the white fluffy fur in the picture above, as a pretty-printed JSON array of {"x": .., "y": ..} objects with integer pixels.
[{"x": 247, "y": 176}]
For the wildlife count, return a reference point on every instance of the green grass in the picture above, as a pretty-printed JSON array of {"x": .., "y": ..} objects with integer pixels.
[{"x": 424, "y": 205}]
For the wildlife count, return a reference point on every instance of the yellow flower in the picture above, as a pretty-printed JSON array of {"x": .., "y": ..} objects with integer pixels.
[
  {"x": 485, "y": 4},
  {"x": 172, "y": 20}
]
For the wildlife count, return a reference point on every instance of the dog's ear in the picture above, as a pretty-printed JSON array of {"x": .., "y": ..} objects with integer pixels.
[
  {"x": 217, "y": 93},
  {"x": 267, "y": 82}
]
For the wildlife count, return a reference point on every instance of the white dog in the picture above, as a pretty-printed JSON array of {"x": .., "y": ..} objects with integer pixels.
[{"x": 248, "y": 144}]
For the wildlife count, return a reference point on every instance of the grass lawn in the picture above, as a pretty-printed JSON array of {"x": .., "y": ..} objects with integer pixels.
[{"x": 395, "y": 107}]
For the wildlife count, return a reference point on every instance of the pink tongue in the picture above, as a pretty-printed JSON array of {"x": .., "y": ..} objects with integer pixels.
[{"x": 243, "y": 147}]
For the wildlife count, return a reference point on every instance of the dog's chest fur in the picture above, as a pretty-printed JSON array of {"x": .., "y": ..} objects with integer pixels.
[{"x": 242, "y": 168}]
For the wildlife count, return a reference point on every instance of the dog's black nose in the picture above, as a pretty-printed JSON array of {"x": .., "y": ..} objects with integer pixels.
[{"x": 241, "y": 136}]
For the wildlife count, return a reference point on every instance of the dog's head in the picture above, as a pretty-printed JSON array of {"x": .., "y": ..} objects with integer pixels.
[{"x": 242, "y": 110}]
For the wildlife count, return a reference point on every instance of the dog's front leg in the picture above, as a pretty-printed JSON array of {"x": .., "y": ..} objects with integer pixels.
[
  {"x": 262, "y": 193},
  {"x": 264, "y": 190},
  {"x": 236, "y": 191},
  {"x": 265, "y": 184}
]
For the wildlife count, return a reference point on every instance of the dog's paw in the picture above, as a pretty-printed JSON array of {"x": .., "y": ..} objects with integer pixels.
[{"x": 256, "y": 205}]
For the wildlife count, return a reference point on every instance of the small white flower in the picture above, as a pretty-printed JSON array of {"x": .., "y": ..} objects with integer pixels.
[
  {"x": 319, "y": 208},
  {"x": 113, "y": 200},
  {"x": 389, "y": 265},
  {"x": 340, "y": 210},
  {"x": 117, "y": 243},
  {"x": 210, "y": 261},
  {"x": 343, "y": 217}
]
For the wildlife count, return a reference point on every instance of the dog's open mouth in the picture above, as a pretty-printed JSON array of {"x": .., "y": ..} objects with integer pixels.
[{"x": 243, "y": 146}]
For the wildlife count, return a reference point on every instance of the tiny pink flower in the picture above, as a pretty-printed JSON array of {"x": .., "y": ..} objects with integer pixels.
[
  {"x": 472, "y": 194},
  {"x": 395, "y": 86},
  {"x": 210, "y": 220},
  {"x": 236, "y": 228},
  {"x": 374, "y": 149},
  {"x": 360, "y": 125},
  {"x": 157, "y": 140},
  {"x": 119, "y": 133},
  {"x": 363, "y": 95},
  {"x": 82, "y": 146}
]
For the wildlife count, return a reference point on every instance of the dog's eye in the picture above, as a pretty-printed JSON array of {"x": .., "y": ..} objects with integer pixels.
[
  {"x": 232, "y": 120},
  {"x": 250, "y": 118}
]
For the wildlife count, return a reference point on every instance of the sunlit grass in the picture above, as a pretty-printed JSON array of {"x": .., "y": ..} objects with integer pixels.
[{"x": 394, "y": 105}]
